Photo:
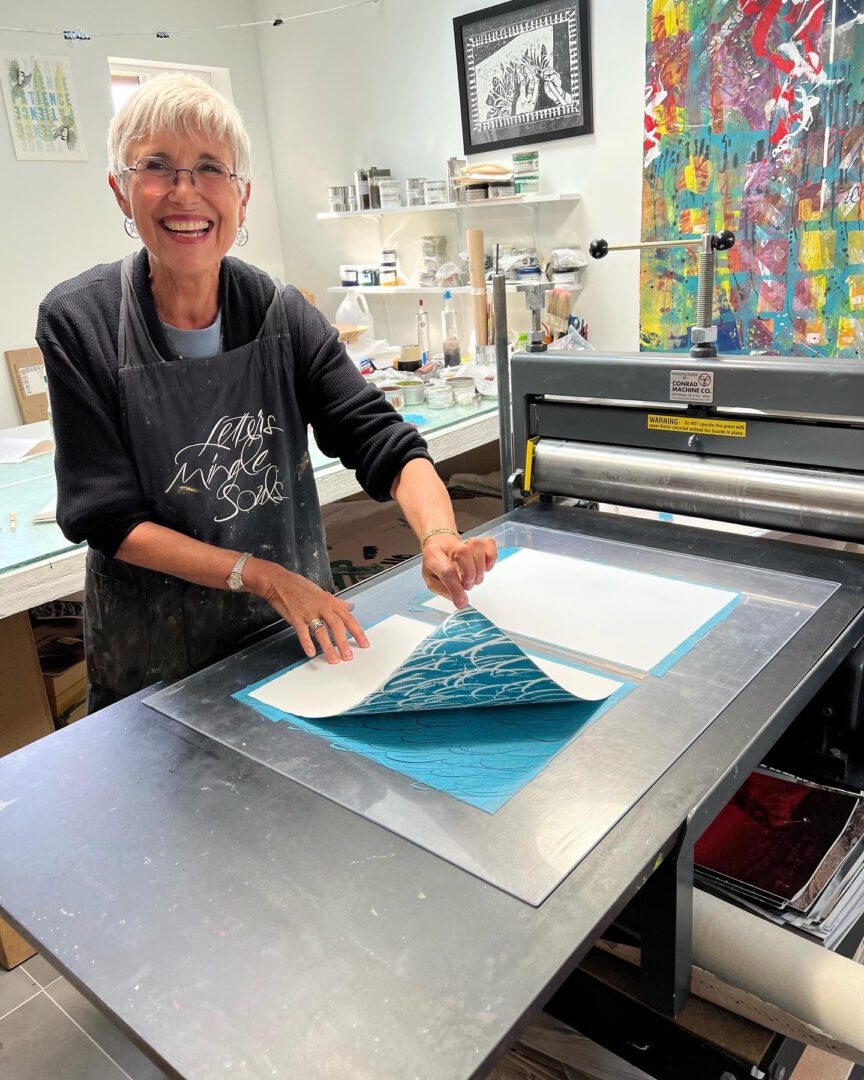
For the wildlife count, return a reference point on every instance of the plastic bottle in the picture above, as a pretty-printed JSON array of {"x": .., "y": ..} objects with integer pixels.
[
  {"x": 450, "y": 330},
  {"x": 423, "y": 333},
  {"x": 354, "y": 311}
]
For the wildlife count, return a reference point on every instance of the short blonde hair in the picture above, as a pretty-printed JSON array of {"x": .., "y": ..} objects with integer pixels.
[{"x": 178, "y": 104}]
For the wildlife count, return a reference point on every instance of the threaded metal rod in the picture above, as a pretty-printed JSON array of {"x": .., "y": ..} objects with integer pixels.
[
  {"x": 705, "y": 294},
  {"x": 505, "y": 425}
]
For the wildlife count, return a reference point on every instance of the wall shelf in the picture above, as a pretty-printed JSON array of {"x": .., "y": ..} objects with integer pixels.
[
  {"x": 410, "y": 290},
  {"x": 517, "y": 200}
]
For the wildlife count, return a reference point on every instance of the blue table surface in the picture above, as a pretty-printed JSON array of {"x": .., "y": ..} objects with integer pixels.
[{"x": 26, "y": 488}]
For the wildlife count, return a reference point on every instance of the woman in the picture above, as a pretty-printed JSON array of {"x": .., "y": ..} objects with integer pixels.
[{"x": 182, "y": 385}]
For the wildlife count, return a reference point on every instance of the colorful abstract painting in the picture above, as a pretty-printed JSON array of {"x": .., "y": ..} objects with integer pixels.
[{"x": 754, "y": 121}]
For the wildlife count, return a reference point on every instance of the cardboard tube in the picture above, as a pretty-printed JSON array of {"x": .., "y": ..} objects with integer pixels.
[
  {"x": 812, "y": 983},
  {"x": 477, "y": 273}
]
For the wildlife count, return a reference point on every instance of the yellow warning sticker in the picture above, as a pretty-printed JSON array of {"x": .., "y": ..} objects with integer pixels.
[{"x": 729, "y": 429}]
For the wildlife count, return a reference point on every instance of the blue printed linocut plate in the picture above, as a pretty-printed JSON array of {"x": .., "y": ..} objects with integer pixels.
[{"x": 468, "y": 713}]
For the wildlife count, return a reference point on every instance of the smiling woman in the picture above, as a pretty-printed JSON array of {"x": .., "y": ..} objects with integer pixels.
[
  {"x": 180, "y": 165},
  {"x": 183, "y": 384}
]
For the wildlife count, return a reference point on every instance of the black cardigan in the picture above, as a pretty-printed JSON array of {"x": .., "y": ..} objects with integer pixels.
[{"x": 99, "y": 498}]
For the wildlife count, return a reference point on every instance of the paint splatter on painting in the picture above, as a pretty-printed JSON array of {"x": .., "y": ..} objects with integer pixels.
[{"x": 754, "y": 121}]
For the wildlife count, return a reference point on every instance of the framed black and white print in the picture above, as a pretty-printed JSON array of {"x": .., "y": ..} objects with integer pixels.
[{"x": 524, "y": 73}]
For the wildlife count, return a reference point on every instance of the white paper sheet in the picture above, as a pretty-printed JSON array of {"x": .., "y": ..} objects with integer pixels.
[
  {"x": 620, "y": 616},
  {"x": 47, "y": 514},
  {"x": 14, "y": 450},
  {"x": 316, "y": 689}
]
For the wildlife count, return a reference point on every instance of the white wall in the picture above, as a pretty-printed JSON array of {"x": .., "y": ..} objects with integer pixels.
[
  {"x": 378, "y": 85},
  {"x": 60, "y": 217},
  {"x": 321, "y": 96}
]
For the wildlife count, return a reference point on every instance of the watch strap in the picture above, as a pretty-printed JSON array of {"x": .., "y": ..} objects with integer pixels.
[{"x": 235, "y": 578}]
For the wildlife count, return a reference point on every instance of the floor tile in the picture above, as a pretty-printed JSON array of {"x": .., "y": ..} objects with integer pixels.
[
  {"x": 41, "y": 970},
  {"x": 15, "y": 986},
  {"x": 102, "y": 1031},
  {"x": 38, "y": 1042}
]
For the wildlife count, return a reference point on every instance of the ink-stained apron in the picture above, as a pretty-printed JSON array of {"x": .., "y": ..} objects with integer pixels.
[{"x": 221, "y": 453}]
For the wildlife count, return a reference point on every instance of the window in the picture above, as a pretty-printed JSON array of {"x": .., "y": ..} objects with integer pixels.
[{"x": 127, "y": 75}]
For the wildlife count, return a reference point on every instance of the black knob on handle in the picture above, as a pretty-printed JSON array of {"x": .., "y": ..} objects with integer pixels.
[
  {"x": 724, "y": 240},
  {"x": 598, "y": 249}
]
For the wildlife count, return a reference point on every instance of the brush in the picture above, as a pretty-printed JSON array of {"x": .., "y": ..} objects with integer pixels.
[{"x": 558, "y": 304}]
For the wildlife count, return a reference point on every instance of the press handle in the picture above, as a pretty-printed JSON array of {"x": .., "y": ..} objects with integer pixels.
[{"x": 721, "y": 241}]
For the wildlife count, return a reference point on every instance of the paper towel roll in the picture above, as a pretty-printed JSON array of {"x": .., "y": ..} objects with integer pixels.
[
  {"x": 477, "y": 271},
  {"x": 810, "y": 982}
]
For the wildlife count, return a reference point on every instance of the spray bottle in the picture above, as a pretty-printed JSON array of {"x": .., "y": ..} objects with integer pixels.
[
  {"x": 450, "y": 330},
  {"x": 423, "y": 333}
]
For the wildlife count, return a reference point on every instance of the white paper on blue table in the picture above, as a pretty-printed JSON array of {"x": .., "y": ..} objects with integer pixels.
[
  {"x": 466, "y": 662},
  {"x": 621, "y": 617}
]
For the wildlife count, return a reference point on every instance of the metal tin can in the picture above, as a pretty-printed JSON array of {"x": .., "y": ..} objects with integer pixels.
[
  {"x": 476, "y": 192},
  {"x": 435, "y": 192},
  {"x": 439, "y": 397},
  {"x": 414, "y": 190},
  {"x": 361, "y": 186},
  {"x": 526, "y": 163},
  {"x": 394, "y": 395},
  {"x": 337, "y": 200},
  {"x": 455, "y": 168},
  {"x": 375, "y": 176},
  {"x": 527, "y": 185},
  {"x": 431, "y": 246},
  {"x": 390, "y": 194},
  {"x": 413, "y": 391}
]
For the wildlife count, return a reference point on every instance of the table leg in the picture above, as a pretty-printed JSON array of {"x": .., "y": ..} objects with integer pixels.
[{"x": 666, "y": 927}]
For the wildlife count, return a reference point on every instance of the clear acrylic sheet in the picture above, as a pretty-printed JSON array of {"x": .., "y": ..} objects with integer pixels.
[{"x": 593, "y": 761}]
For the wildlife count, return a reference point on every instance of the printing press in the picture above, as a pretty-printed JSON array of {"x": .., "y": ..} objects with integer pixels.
[
  {"x": 244, "y": 892},
  {"x": 774, "y": 446}
]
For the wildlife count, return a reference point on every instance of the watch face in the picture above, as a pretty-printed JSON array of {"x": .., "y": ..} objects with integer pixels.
[{"x": 235, "y": 582}]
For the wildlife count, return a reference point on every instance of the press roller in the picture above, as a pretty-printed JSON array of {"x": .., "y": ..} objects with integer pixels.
[
  {"x": 603, "y": 428},
  {"x": 816, "y": 502}
]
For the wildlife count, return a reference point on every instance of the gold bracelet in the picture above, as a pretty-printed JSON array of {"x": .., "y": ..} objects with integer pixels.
[{"x": 435, "y": 532}]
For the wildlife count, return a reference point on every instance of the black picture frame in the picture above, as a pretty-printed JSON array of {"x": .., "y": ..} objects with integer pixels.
[{"x": 502, "y": 53}]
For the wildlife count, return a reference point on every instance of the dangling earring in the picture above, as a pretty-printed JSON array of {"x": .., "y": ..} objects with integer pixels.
[
  {"x": 131, "y": 229},
  {"x": 242, "y": 235}
]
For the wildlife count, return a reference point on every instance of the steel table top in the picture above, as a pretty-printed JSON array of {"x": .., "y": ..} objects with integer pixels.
[{"x": 235, "y": 923}]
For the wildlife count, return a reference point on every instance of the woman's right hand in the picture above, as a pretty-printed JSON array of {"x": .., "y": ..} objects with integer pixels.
[{"x": 300, "y": 601}]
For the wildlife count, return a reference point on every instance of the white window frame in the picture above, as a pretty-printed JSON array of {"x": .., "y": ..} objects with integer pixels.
[{"x": 218, "y": 77}]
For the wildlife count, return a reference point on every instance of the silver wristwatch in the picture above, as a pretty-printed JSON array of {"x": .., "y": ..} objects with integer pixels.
[{"x": 235, "y": 578}]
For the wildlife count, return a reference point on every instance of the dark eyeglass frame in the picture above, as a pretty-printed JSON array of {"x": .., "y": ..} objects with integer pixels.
[{"x": 168, "y": 167}]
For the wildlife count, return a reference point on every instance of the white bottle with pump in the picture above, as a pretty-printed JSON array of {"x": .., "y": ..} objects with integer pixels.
[{"x": 450, "y": 330}]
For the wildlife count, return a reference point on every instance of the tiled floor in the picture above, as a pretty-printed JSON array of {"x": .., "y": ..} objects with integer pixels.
[{"x": 48, "y": 1031}]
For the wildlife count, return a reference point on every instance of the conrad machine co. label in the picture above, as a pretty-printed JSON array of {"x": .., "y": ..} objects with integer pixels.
[{"x": 695, "y": 387}]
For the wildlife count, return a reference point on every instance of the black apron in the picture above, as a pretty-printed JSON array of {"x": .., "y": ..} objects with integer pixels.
[{"x": 221, "y": 453}]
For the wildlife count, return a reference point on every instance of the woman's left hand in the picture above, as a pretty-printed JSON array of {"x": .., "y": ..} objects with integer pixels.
[{"x": 452, "y": 566}]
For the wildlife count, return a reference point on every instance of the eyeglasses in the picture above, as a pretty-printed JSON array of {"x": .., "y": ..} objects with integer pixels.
[{"x": 159, "y": 176}]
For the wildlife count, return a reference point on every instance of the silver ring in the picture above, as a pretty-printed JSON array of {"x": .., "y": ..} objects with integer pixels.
[{"x": 316, "y": 625}]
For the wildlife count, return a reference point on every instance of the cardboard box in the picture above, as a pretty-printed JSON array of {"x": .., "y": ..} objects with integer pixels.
[
  {"x": 14, "y": 950},
  {"x": 61, "y": 657},
  {"x": 27, "y": 371},
  {"x": 68, "y": 699},
  {"x": 76, "y": 711},
  {"x": 24, "y": 717},
  {"x": 24, "y": 712}
]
